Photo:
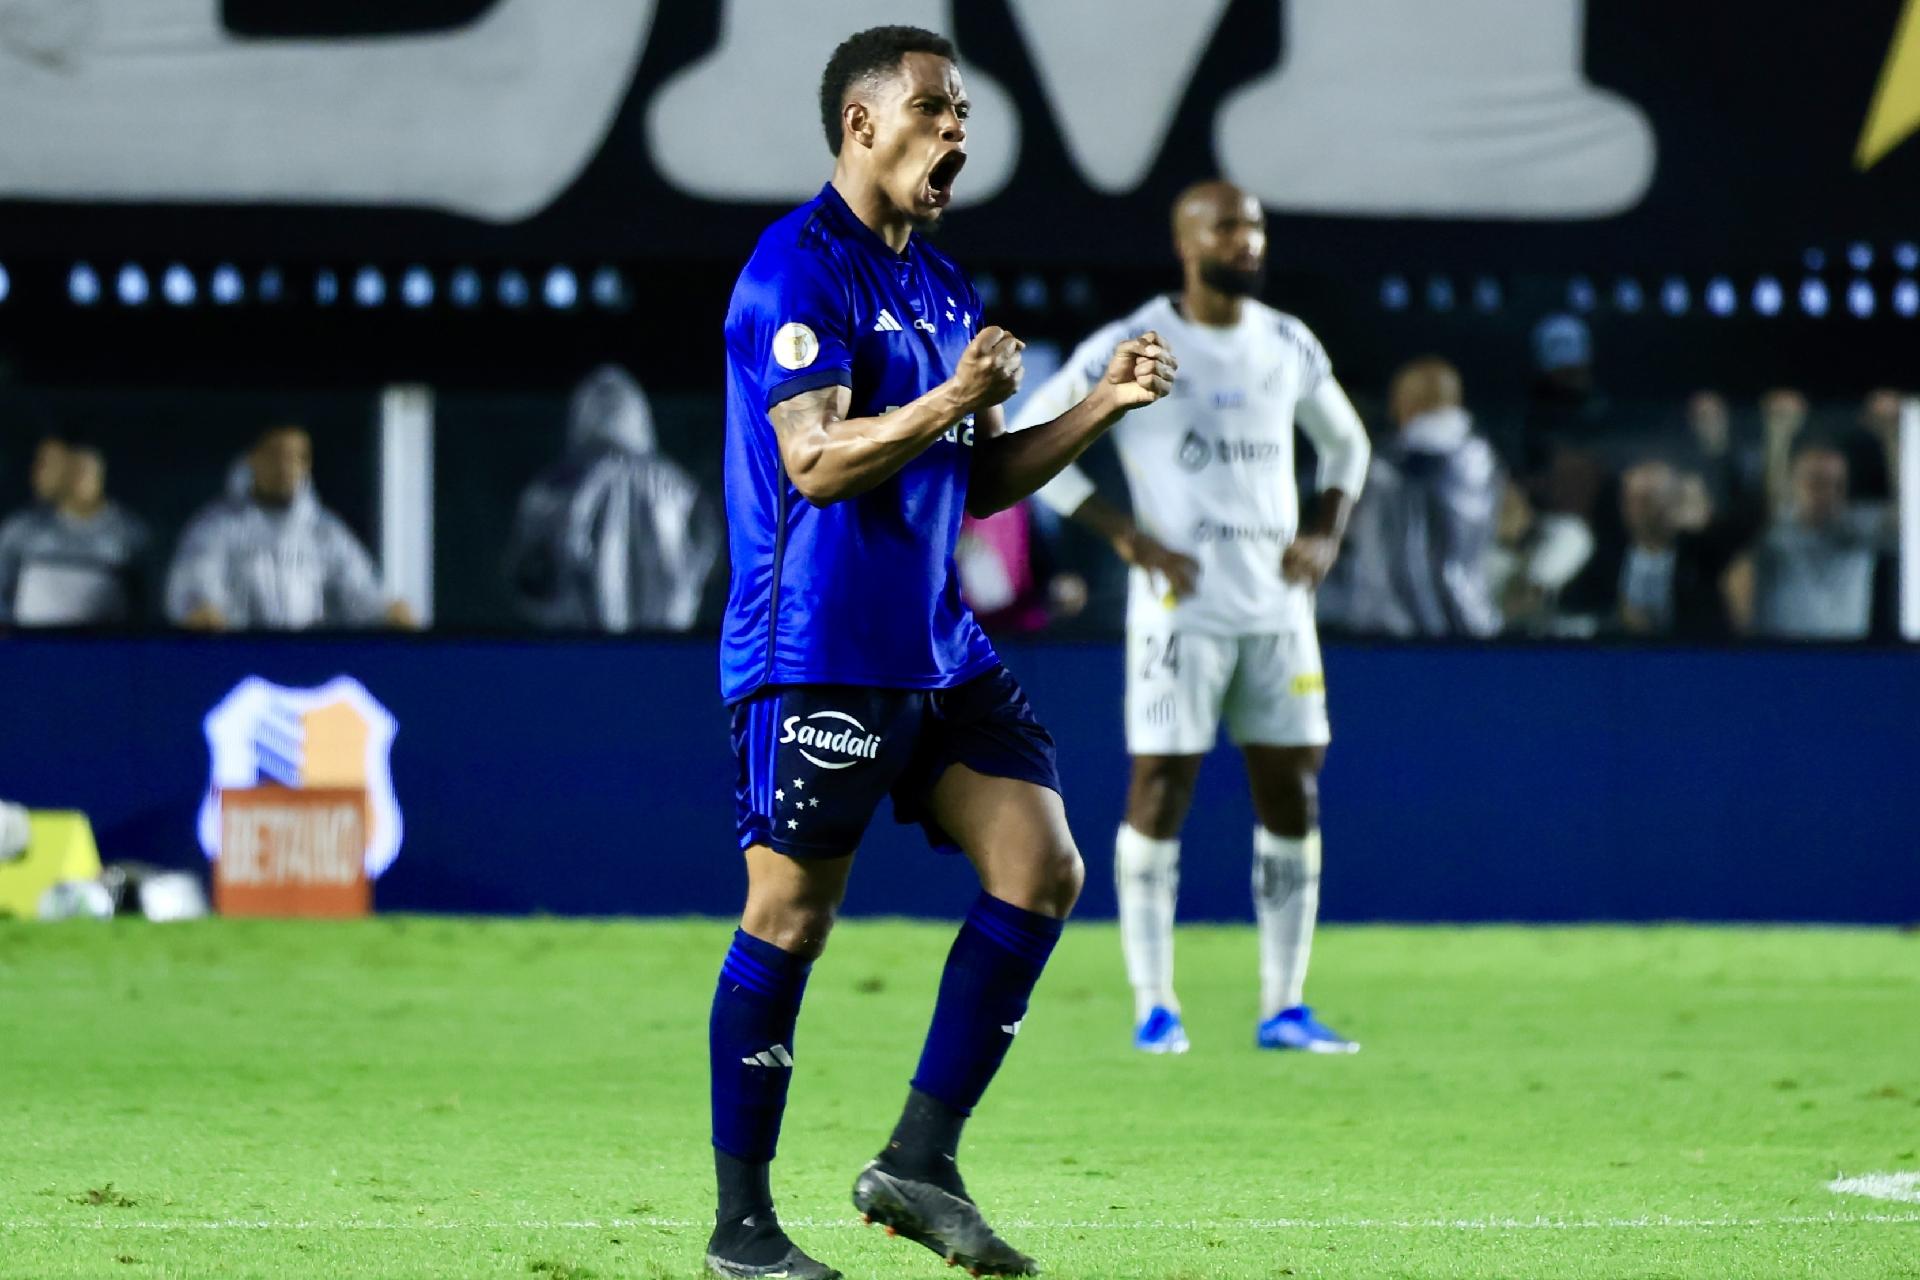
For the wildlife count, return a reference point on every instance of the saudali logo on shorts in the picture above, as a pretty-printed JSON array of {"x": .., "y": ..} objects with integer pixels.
[
  {"x": 300, "y": 814},
  {"x": 832, "y": 734}
]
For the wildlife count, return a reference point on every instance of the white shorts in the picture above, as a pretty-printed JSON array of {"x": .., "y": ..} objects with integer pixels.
[{"x": 1271, "y": 688}]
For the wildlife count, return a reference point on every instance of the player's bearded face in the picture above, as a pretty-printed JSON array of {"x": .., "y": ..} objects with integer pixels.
[
  {"x": 1235, "y": 281},
  {"x": 1229, "y": 243},
  {"x": 920, "y": 136},
  {"x": 1235, "y": 262}
]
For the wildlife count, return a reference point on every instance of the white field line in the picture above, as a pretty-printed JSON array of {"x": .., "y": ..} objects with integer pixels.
[
  {"x": 1649, "y": 1222},
  {"x": 1903, "y": 1186}
]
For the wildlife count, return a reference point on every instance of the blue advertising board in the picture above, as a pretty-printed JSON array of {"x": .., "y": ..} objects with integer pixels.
[{"x": 1464, "y": 784}]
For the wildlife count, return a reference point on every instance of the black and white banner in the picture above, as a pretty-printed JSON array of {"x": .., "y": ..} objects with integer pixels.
[{"x": 1563, "y": 132}]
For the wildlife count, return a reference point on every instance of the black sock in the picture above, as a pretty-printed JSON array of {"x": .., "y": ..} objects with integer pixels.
[
  {"x": 743, "y": 1186},
  {"x": 925, "y": 1144},
  {"x": 745, "y": 1228}
]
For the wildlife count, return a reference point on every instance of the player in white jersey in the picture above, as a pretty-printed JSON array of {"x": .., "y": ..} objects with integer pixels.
[{"x": 1220, "y": 606}]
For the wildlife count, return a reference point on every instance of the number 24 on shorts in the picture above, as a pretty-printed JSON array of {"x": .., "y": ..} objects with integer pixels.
[{"x": 1163, "y": 655}]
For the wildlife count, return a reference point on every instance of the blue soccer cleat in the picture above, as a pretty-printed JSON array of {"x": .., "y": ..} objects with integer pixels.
[
  {"x": 1297, "y": 1028},
  {"x": 1161, "y": 1032}
]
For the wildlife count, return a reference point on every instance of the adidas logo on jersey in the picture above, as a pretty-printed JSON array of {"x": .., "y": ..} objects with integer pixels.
[
  {"x": 774, "y": 1057},
  {"x": 887, "y": 324}
]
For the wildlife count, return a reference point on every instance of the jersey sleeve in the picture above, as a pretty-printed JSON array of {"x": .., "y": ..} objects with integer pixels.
[
  {"x": 1338, "y": 436},
  {"x": 803, "y": 331},
  {"x": 1316, "y": 367}
]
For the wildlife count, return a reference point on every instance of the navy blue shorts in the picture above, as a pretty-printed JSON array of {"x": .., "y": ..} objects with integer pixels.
[{"x": 815, "y": 760}]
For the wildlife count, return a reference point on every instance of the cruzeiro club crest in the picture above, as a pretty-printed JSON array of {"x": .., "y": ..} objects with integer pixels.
[
  {"x": 831, "y": 739},
  {"x": 1194, "y": 451}
]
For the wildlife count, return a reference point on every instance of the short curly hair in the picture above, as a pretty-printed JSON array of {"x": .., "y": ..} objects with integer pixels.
[{"x": 872, "y": 52}]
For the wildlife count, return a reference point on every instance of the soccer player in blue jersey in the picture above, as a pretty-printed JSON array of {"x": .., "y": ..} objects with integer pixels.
[{"x": 863, "y": 421}]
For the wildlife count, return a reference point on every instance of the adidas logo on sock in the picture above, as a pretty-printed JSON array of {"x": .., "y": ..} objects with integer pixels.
[
  {"x": 774, "y": 1057},
  {"x": 887, "y": 324}
]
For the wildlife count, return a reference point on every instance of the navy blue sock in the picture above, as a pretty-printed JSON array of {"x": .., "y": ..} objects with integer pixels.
[
  {"x": 750, "y": 1042},
  {"x": 990, "y": 973}
]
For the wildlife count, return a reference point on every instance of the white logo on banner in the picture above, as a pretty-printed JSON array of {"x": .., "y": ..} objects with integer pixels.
[
  {"x": 713, "y": 134},
  {"x": 155, "y": 100},
  {"x": 1381, "y": 107},
  {"x": 338, "y": 735},
  {"x": 1113, "y": 92},
  {"x": 1475, "y": 108}
]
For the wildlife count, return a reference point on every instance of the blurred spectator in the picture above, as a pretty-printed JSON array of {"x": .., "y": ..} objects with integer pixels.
[
  {"x": 1007, "y": 574},
  {"x": 1732, "y": 469},
  {"x": 1415, "y": 559},
  {"x": 1666, "y": 579},
  {"x": 48, "y": 470},
  {"x": 1811, "y": 576},
  {"x": 1565, "y": 409},
  {"x": 1564, "y": 478},
  {"x": 1535, "y": 556},
  {"x": 1681, "y": 564},
  {"x": 1872, "y": 446},
  {"x": 1650, "y": 508},
  {"x": 614, "y": 536},
  {"x": 1563, "y": 363},
  {"x": 1710, "y": 423},
  {"x": 1783, "y": 423},
  {"x": 268, "y": 556},
  {"x": 76, "y": 559}
]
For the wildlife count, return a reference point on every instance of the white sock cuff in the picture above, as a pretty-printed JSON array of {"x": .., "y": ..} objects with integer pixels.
[
  {"x": 1135, "y": 854},
  {"x": 1303, "y": 852}
]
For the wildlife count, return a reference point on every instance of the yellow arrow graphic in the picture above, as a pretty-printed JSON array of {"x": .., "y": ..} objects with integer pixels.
[{"x": 1895, "y": 113}]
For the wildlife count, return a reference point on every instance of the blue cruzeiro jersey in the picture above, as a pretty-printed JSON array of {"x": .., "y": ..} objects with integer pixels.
[{"x": 863, "y": 591}]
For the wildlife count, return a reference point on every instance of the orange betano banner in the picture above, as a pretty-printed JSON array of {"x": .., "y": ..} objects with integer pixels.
[{"x": 293, "y": 852}]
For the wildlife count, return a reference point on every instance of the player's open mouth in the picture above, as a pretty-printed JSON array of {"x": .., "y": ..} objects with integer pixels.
[{"x": 940, "y": 181}]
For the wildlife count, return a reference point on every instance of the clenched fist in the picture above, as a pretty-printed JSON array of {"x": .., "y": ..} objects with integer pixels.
[
  {"x": 1140, "y": 372},
  {"x": 989, "y": 371}
]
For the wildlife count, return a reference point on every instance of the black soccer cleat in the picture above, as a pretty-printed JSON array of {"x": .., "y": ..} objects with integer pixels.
[
  {"x": 757, "y": 1247},
  {"x": 945, "y": 1223}
]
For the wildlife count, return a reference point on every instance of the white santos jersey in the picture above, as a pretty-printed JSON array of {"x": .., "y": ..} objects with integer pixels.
[{"x": 1211, "y": 466}]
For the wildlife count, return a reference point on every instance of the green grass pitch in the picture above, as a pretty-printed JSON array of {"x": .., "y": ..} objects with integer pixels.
[{"x": 425, "y": 1097}]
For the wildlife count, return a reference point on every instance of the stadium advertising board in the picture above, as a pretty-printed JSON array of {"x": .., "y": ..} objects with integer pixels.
[{"x": 300, "y": 815}]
